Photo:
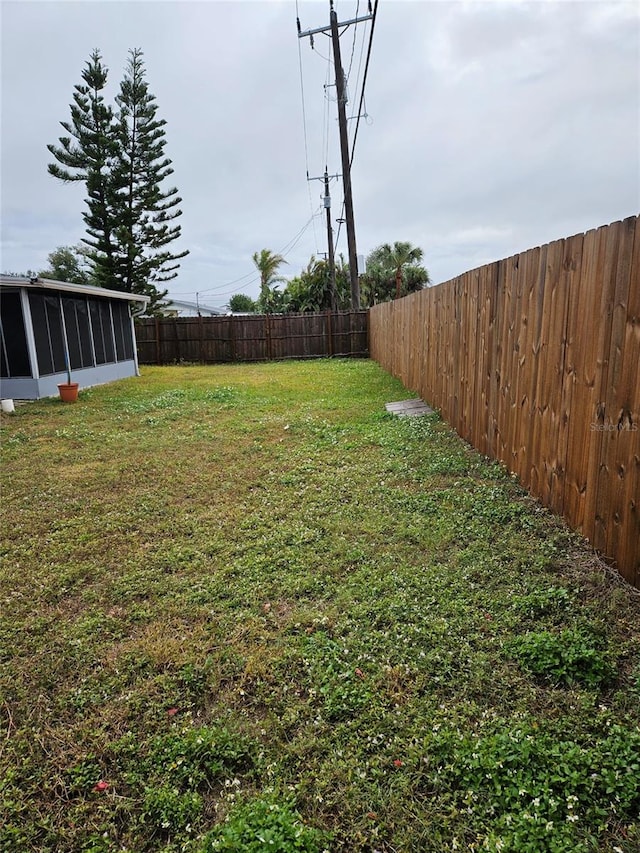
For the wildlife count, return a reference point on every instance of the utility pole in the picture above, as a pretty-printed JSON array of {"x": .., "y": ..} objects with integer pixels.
[
  {"x": 326, "y": 201},
  {"x": 344, "y": 141},
  {"x": 346, "y": 166},
  {"x": 332, "y": 262}
]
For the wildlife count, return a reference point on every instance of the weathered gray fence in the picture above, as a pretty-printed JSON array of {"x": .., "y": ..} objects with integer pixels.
[{"x": 252, "y": 337}]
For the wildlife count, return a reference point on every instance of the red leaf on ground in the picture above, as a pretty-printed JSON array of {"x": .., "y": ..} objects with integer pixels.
[
  {"x": 172, "y": 712},
  {"x": 101, "y": 786}
]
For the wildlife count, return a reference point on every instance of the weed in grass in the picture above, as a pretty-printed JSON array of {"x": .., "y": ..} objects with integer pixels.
[
  {"x": 223, "y": 394},
  {"x": 167, "y": 400},
  {"x": 337, "y": 681},
  {"x": 83, "y": 776},
  {"x": 17, "y": 438},
  {"x": 196, "y": 758},
  {"x": 568, "y": 657},
  {"x": 532, "y": 791},
  {"x": 168, "y": 812},
  {"x": 264, "y": 824},
  {"x": 546, "y": 601}
]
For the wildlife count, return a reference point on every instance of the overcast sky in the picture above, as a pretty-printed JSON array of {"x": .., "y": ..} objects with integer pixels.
[{"x": 491, "y": 127}]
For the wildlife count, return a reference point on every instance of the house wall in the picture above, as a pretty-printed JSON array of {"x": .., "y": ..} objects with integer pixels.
[
  {"x": 98, "y": 343},
  {"x": 27, "y": 388}
]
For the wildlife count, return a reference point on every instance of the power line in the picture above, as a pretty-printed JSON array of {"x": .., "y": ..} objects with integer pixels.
[
  {"x": 364, "y": 79},
  {"x": 340, "y": 221},
  {"x": 304, "y": 125},
  {"x": 324, "y": 145},
  {"x": 286, "y": 249},
  {"x": 359, "y": 112},
  {"x": 321, "y": 55},
  {"x": 179, "y": 297},
  {"x": 325, "y": 116},
  {"x": 357, "y": 86},
  {"x": 304, "y": 114},
  {"x": 353, "y": 45},
  {"x": 228, "y": 283}
]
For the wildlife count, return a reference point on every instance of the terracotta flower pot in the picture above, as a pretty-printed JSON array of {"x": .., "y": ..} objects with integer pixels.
[{"x": 68, "y": 392}]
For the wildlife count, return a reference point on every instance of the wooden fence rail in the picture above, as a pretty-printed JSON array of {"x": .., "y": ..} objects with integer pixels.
[
  {"x": 252, "y": 337},
  {"x": 535, "y": 360}
]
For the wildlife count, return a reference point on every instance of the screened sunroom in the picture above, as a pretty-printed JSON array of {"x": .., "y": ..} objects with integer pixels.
[{"x": 49, "y": 329}]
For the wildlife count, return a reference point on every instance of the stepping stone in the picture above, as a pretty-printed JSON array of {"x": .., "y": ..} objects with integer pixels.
[{"x": 409, "y": 408}]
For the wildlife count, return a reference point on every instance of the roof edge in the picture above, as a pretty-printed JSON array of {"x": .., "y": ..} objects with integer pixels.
[{"x": 87, "y": 289}]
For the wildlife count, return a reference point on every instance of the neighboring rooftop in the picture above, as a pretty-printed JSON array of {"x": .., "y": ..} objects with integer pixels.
[{"x": 184, "y": 308}]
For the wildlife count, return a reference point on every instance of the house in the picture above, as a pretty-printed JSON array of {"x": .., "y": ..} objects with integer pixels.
[
  {"x": 48, "y": 326},
  {"x": 183, "y": 308}
]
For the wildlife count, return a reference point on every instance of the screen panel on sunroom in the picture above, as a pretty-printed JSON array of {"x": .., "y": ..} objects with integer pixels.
[{"x": 14, "y": 353}]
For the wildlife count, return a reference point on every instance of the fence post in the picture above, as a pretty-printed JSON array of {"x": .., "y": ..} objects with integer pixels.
[
  {"x": 158, "y": 350},
  {"x": 267, "y": 332},
  {"x": 351, "y": 334},
  {"x": 329, "y": 335},
  {"x": 232, "y": 339},
  {"x": 201, "y": 347},
  {"x": 368, "y": 333}
]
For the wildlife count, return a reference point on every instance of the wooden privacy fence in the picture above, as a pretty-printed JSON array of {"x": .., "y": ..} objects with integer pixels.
[
  {"x": 252, "y": 337},
  {"x": 535, "y": 360}
]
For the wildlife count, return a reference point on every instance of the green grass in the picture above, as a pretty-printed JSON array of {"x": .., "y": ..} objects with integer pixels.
[{"x": 243, "y": 608}]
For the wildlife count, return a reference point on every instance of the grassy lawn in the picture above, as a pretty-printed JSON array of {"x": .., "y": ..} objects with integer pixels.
[{"x": 243, "y": 608}]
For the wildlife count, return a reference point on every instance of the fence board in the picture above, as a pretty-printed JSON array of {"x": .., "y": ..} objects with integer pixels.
[
  {"x": 599, "y": 359},
  {"x": 573, "y": 267},
  {"x": 583, "y": 312},
  {"x": 535, "y": 360},
  {"x": 485, "y": 343},
  {"x": 616, "y": 438},
  {"x": 462, "y": 363},
  {"x": 531, "y": 465},
  {"x": 627, "y": 536},
  {"x": 519, "y": 362},
  {"x": 550, "y": 368},
  {"x": 495, "y": 355}
]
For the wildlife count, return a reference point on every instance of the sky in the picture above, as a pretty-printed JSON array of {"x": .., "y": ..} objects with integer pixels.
[{"x": 487, "y": 128}]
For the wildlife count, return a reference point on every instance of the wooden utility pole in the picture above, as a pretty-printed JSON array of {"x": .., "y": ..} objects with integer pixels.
[
  {"x": 329, "y": 254},
  {"x": 346, "y": 164},
  {"x": 344, "y": 141},
  {"x": 332, "y": 262}
]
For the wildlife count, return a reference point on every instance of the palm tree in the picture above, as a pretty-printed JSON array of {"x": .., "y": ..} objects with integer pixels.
[
  {"x": 391, "y": 271},
  {"x": 397, "y": 257},
  {"x": 267, "y": 264}
]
